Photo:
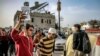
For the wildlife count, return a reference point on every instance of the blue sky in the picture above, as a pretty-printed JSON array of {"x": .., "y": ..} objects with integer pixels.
[{"x": 73, "y": 11}]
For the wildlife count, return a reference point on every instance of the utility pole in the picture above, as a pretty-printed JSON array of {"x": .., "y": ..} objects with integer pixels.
[{"x": 59, "y": 9}]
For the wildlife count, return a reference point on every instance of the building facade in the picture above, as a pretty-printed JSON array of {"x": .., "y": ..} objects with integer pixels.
[
  {"x": 43, "y": 20},
  {"x": 39, "y": 20}
]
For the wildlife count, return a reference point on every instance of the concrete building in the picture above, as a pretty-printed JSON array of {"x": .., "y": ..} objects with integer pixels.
[
  {"x": 43, "y": 20},
  {"x": 38, "y": 19}
]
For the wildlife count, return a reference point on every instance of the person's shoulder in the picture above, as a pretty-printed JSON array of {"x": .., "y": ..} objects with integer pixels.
[
  {"x": 44, "y": 38},
  {"x": 82, "y": 31},
  {"x": 75, "y": 33}
]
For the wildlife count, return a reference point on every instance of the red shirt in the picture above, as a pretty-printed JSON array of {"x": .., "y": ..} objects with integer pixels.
[{"x": 23, "y": 45}]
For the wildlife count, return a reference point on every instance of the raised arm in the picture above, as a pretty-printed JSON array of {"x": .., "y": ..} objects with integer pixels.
[{"x": 15, "y": 31}]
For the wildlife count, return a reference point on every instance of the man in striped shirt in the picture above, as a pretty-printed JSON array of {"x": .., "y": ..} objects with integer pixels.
[{"x": 46, "y": 44}]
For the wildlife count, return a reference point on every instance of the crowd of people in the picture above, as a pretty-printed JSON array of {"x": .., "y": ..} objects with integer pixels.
[
  {"x": 16, "y": 42},
  {"x": 22, "y": 40},
  {"x": 6, "y": 42}
]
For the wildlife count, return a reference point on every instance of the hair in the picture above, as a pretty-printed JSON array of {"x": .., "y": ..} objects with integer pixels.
[
  {"x": 3, "y": 29},
  {"x": 28, "y": 26},
  {"x": 21, "y": 27},
  {"x": 77, "y": 26},
  {"x": 38, "y": 31},
  {"x": 43, "y": 34}
]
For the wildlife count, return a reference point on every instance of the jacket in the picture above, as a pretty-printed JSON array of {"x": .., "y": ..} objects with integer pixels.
[
  {"x": 78, "y": 41},
  {"x": 23, "y": 45}
]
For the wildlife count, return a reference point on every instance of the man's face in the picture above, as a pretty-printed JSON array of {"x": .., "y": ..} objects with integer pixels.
[
  {"x": 38, "y": 34},
  {"x": 51, "y": 35},
  {"x": 74, "y": 29},
  {"x": 30, "y": 31}
]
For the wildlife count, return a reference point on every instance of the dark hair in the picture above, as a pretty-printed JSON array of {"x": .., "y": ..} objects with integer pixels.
[
  {"x": 3, "y": 29},
  {"x": 28, "y": 26},
  {"x": 43, "y": 34},
  {"x": 77, "y": 26},
  {"x": 38, "y": 31},
  {"x": 21, "y": 27}
]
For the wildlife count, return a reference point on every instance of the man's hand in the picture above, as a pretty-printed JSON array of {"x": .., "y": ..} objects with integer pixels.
[{"x": 21, "y": 17}]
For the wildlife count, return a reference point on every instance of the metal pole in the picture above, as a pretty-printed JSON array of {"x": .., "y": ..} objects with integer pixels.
[
  {"x": 59, "y": 19},
  {"x": 59, "y": 9}
]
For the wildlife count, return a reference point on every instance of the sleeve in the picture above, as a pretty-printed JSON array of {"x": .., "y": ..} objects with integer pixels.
[
  {"x": 86, "y": 35},
  {"x": 35, "y": 40},
  {"x": 15, "y": 35},
  {"x": 75, "y": 41},
  {"x": 40, "y": 45}
]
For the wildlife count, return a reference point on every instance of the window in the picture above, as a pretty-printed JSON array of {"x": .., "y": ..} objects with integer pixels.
[
  {"x": 49, "y": 21},
  {"x": 32, "y": 19},
  {"x": 41, "y": 20}
]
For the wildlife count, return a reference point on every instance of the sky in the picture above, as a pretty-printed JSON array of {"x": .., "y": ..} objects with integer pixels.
[{"x": 72, "y": 11}]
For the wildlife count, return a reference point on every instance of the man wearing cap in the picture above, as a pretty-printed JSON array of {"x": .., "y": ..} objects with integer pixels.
[{"x": 46, "y": 44}]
